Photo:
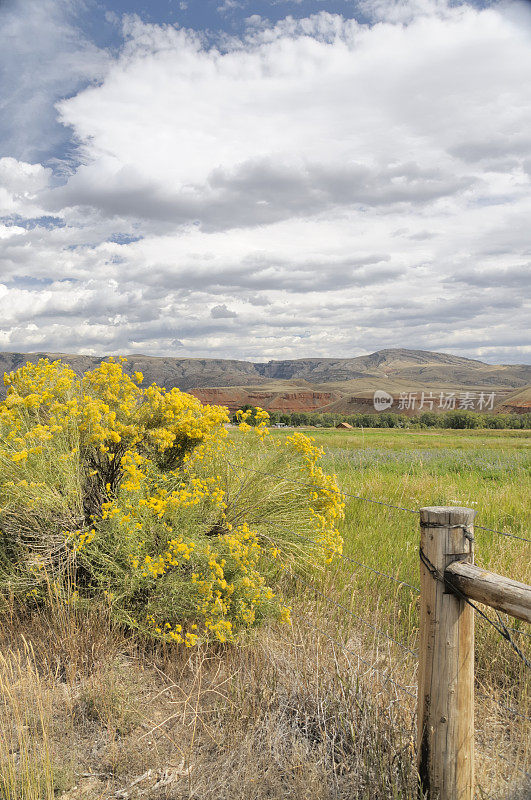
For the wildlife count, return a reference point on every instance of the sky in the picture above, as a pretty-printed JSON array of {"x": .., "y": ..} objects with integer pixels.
[{"x": 265, "y": 180}]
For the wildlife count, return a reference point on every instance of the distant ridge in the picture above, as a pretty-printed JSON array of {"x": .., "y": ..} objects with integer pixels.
[{"x": 344, "y": 383}]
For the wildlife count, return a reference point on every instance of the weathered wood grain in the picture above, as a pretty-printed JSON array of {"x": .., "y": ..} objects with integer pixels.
[
  {"x": 494, "y": 590},
  {"x": 446, "y": 662}
]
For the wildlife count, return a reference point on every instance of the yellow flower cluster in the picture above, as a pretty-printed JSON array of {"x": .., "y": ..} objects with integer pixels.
[
  {"x": 137, "y": 485},
  {"x": 105, "y": 410},
  {"x": 173, "y": 633},
  {"x": 224, "y": 585},
  {"x": 260, "y": 419},
  {"x": 230, "y": 588},
  {"x": 327, "y": 505},
  {"x": 78, "y": 539}
]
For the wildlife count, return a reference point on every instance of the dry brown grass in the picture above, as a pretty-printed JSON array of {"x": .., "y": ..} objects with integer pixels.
[
  {"x": 91, "y": 715},
  {"x": 25, "y": 763}
]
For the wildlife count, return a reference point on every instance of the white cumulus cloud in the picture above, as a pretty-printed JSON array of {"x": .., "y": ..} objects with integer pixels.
[{"x": 317, "y": 187}]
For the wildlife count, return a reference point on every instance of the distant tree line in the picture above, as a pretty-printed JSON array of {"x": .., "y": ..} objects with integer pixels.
[{"x": 428, "y": 419}]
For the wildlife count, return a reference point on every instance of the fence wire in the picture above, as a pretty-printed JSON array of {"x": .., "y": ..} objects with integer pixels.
[
  {"x": 501, "y": 628},
  {"x": 396, "y": 580},
  {"x": 367, "y": 499},
  {"x": 387, "y": 679},
  {"x": 328, "y": 489},
  {"x": 372, "y": 668},
  {"x": 502, "y": 533},
  {"x": 357, "y": 563},
  {"x": 331, "y": 601}
]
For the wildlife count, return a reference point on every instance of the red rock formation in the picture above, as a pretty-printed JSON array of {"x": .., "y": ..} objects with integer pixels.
[
  {"x": 235, "y": 398},
  {"x": 513, "y": 408}
]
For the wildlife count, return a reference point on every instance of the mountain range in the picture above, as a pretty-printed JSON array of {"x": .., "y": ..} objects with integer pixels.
[{"x": 342, "y": 385}]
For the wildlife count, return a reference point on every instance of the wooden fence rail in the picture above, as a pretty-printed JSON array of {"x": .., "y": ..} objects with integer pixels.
[{"x": 446, "y": 656}]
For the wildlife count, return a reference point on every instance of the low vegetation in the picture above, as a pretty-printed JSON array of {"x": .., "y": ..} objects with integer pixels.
[
  {"x": 457, "y": 420},
  {"x": 485, "y": 470},
  {"x": 173, "y": 606}
]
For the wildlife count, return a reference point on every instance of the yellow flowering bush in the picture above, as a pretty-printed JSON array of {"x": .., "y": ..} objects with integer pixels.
[{"x": 141, "y": 499}]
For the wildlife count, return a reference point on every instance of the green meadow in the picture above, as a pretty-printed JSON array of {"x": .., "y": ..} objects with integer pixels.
[{"x": 488, "y": 471}]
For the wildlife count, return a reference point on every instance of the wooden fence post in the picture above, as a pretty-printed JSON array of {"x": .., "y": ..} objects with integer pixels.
[{"x": 445, "y": 710}]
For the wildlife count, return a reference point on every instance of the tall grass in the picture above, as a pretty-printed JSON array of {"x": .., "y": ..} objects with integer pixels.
[
  {"x": 26, "y": 771},
  {"x": 305, "y": 710},
  {"x": 485, "y": 471}
]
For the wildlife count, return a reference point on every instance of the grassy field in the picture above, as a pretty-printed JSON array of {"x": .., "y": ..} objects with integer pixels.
[
  {"x": 301, "y": 711},
  {"x": 488, "y": 471}
]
